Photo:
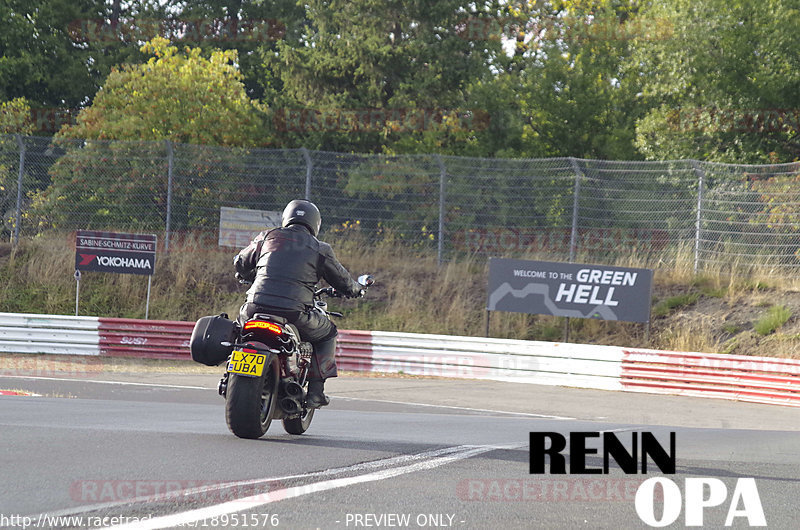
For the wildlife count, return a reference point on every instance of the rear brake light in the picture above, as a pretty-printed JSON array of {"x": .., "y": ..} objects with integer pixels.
[{"x": 260, "y": 324}]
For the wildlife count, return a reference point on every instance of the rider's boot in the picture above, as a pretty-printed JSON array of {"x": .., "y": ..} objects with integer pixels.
[
  {"x": 316, "y": 397},
  {"x": 323, "y": 365}
]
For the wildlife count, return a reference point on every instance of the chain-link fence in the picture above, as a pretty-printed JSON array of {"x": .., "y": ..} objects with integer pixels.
[{"x": 559, "y": 208}]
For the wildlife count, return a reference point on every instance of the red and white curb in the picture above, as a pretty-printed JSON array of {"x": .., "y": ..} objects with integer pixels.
[{"x": 737, "y": 377}]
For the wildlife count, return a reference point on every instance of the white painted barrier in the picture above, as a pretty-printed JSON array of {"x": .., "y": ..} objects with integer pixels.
[
  {"x": 743, "y": 378},
  {"x": 497, "y": 359},
  {"x": 57, "y": 334}
]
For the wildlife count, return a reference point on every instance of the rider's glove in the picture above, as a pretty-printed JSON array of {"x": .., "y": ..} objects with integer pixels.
[{"x": 244, "y": 279}]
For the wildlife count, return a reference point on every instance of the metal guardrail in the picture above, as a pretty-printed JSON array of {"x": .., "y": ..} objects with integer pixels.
[
  {"x": 56, "y": 334},
  {"x": 743, "y": 378}
]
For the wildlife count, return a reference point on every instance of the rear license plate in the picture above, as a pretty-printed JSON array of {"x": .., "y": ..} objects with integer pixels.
[{"x": 247, "y": 362}]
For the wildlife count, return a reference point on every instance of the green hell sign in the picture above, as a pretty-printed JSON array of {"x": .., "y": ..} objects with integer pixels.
[{"x": 570, "y": 290}]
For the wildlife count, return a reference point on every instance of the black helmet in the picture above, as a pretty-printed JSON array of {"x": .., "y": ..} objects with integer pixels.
[{"x": 302, "y": 212}]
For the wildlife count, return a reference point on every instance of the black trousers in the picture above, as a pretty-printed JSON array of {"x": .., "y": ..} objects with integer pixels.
[{"x": 313, "y": 328}]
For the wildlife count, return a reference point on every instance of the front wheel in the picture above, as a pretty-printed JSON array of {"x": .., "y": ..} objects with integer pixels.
[
  {"x": 300, "y": 424},
  {"x": 250, "y": 401}
]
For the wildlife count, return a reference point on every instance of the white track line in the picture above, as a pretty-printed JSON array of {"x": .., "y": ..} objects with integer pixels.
[
  {"x": 256, "y": 501},
  {"x": 187, "y": 387},
  {"x": 545, "y": 416},
  {"x": 98, "y": 381},
  {"x": 176, "y": 495}
]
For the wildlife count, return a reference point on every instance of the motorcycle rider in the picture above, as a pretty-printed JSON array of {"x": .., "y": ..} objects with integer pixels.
[{"x": 285, "y": 265}]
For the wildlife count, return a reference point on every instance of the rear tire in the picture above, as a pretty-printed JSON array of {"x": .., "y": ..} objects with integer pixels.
[
  {"x": 250, "y": 401},
  {"x": 299, "y": 425}
]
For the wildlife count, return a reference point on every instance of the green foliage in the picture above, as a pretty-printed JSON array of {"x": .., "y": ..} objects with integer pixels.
[
  {"x": 715, "y": 81},
  {"x": 388, "y": 181},
  {"x": 731, "y": 329},
  {"x": 181, "y": 97},
  {"x": 57, "y": 53},
  {"x": 756, "y": 285},
  {"x": 402, "y": 57},
  {"x": 707, "y": 289},
  {"x": 550, "y": 333},
  {"x": 15, "y": 117},
  {"x": 609, "y": 79},
  {"x": 776, "y": 317},
  {"x": 666, "y": 306},
  {"x": 49, "y": 58},
  {"x": 568, "y": 81}
]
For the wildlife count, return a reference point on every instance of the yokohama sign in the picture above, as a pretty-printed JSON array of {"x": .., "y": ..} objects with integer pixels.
[{"x": 115, "y": 252}]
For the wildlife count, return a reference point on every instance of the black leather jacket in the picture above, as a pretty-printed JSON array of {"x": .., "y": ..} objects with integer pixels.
[{"x": 285, "y": 265}]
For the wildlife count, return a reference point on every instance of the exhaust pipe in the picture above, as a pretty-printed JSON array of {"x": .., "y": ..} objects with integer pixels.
[
  {"x": 292, "y": 403},
  {"x": 290, "y": 406},
  {"x": 294, "y": 390}
]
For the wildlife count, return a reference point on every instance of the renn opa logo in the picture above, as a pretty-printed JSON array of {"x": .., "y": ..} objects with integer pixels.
[{"x": 744, "y": 502}]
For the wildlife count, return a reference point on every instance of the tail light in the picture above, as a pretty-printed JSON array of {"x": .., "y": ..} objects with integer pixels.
[{"x": 262, "y": 325}]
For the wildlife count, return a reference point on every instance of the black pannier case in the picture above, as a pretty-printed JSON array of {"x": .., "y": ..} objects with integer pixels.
[{"x": 207, "y": 336}]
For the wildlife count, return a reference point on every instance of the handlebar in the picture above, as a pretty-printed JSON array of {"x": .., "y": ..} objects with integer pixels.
[
  {"x": 365, "y": 280},
  {"x": 327, "y": 291}
]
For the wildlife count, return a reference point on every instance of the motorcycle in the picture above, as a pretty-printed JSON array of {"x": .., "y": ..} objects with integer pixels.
[{"x": 266, "y": 374}]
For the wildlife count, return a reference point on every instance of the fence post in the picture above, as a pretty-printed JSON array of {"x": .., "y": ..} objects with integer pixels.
[
  {"x": 170, "y": 162},
  {"x": 18, "y": 214},
  {"x": 309, "y": 167},
  {"x": 573, "y": 238},
  {"x": 701, "y": 179},
  {"x": 442, "y": 196}
]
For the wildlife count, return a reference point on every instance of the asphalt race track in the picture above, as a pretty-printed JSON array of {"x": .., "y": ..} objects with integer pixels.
[{"x": 153, "y": 451}]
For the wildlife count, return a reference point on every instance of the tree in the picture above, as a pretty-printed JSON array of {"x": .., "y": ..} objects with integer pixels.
[
  {"x": 52, "y": 54},
  {"x": 252, "y": 27},
  {"x": 182, "y": 97},
  {"x": 15, "y": 117},
  {"x": 725, "y": 86},
  {"x": 366, "y": 73},
  {"x": 567, "y": 73},
  {"x": 57, "y": 53},
  {"x": 114, "y": 169}
]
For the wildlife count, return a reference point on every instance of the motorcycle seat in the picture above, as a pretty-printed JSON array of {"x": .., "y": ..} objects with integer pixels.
[{"x": 271, "y": 318}]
